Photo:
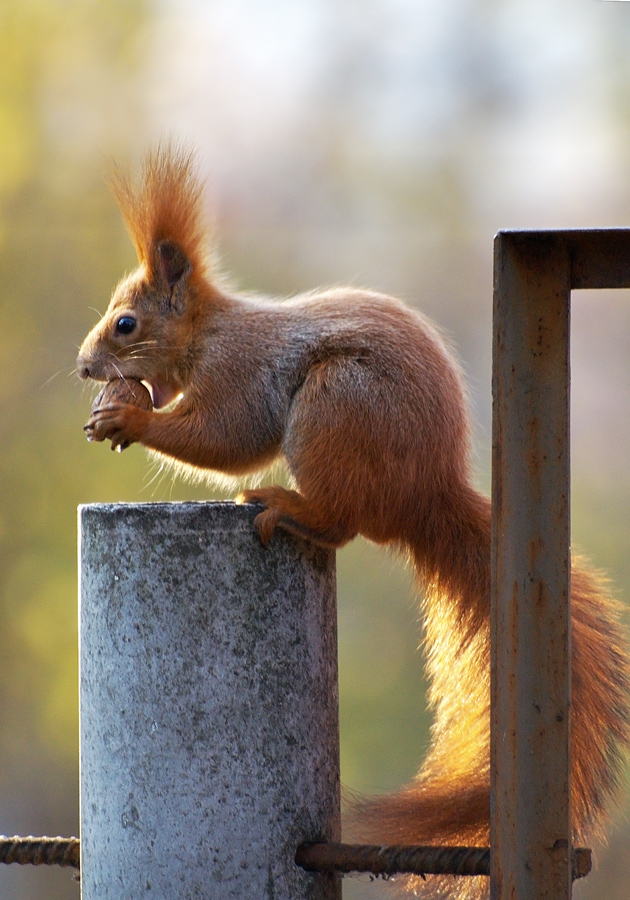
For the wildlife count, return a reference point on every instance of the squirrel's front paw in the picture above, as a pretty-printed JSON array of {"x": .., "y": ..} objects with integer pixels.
[{"x": 123, "y": 425}]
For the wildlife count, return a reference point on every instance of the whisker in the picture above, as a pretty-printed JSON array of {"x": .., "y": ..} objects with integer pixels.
[
  {"x": 128, "y": 352},
  {"x": 52, "y": 378},
  {"x": 120, "y": 374},
  {"x": 88, "y": 385},
  {"x": 143, "y": 345}
]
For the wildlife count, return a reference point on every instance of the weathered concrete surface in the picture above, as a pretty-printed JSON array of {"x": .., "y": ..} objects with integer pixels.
[{"x": 209, "y": 725}]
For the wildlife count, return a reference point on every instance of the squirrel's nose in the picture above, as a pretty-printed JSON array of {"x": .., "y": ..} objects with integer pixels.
[{"x": 83, "y": 370}]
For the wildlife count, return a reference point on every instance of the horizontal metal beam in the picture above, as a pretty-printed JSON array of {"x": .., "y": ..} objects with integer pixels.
[{"x": 597, "y": 257}]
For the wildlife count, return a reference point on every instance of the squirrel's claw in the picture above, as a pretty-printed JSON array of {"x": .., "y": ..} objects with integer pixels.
[{"x": 265, "y": 524}]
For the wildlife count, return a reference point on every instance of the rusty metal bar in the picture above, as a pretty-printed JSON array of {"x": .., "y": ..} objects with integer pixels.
[
  {"x": 530, "y": 622},
  {"x": 40, "y": 851},
  {"x": 394, "y": 859},
  {"x": 598, "y": 257},
  {"x": 530, "y": 762}
]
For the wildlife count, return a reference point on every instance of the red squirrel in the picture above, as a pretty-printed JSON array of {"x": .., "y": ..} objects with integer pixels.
[{"x": 358, "y": 394}]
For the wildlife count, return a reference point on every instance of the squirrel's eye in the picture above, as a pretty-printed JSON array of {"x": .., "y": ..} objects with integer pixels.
[{"x": 125, "y": 325}]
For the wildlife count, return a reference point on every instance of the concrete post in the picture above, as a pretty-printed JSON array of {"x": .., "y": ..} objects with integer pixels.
[{"x": 208, "y": 697}]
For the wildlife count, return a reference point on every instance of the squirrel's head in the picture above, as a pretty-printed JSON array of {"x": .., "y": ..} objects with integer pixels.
[{"x": 147, "y": 330}]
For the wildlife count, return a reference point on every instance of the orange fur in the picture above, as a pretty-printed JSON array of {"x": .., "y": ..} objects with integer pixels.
[
  {"x": 167, "y": 205},
  {"x": 361, "y": 398}
]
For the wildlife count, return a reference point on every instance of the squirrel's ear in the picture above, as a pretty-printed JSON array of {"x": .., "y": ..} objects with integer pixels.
[{"x": 172, "y": 262}]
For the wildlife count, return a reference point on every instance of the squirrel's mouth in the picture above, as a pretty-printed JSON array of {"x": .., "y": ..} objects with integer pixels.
[{"x": 162, "y": 393}]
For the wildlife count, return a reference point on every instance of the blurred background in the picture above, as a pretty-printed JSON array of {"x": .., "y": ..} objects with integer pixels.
[{"x": 380, "y": 143}]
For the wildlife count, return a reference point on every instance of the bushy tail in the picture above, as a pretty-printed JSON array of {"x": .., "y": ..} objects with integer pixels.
[
  {"x": 430, "y": 811},
  {"x": 448, "y": 803},
  {"x": 600, "y": 707}
]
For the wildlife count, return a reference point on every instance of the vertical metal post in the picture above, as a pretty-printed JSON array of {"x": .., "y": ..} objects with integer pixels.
[
  {"x": 531, "y": 837},
  {"x": 209, "y": 729},
  {"x": 534, "y": 274}
]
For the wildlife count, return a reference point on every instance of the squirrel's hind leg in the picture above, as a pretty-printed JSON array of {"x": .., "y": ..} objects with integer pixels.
[{"x": 291, "y": 511}]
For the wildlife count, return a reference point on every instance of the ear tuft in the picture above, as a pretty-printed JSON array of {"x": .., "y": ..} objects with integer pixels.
[
  {"x": 173, "y": 262},
  {"x": 165, "y": 206}
]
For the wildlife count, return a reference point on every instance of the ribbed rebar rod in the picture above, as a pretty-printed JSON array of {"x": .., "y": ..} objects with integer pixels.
[
  {"x": 394, "y": 860},
  {"x": 40, "y": 851},
  {"x": 409, "y": 860}
]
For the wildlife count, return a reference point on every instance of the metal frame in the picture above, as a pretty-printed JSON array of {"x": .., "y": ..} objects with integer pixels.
[{"x": 534, "y": 274}]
